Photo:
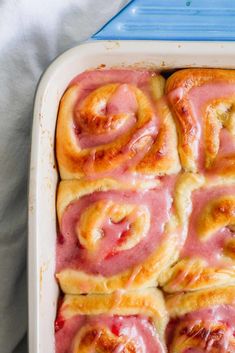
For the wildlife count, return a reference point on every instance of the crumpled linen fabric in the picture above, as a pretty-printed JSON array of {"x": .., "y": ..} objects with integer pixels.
[{"x": 32, "y": 34}]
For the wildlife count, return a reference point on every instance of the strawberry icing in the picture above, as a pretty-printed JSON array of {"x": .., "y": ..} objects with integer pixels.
[
  {"x": 212, "y": 249},
  {"x": 105, "y": 261},
  {"x": 199, "y": 98},
  {"x": 218, "y": 314},
  {"x": 137, "y": 329},
  {"x": 122, "y": 101}
]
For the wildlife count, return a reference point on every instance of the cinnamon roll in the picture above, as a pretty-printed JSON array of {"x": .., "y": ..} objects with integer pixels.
[
  {"x": 96, "y": 323},
  {"x": 207, "y": 258},
  {"x": 203, "y": 103},
  {"x": 203, "y": 321},
  {"x": 114, "y": 235},
  {"x": 113, "y": 122}
]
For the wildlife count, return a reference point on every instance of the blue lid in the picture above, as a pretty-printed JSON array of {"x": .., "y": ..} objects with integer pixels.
[{"x": 173, "y": 20}]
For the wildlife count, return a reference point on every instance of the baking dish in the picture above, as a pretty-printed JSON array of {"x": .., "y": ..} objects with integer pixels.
[{"x": 43, "y": 290}]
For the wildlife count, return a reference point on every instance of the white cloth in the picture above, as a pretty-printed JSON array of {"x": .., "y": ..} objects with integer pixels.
[{"x": 32, "y": 34}]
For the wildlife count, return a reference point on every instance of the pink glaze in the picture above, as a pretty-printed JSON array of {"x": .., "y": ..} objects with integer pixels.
[
  {"x": 106, "y": 260},
  {"x": 122, "y": 101},
  {"x": 65, "y": 335},
  {"x": 199, "y": 98},
  {"x": 220, "y": 313},
  {"x": 150, "y": 129},
  {"x": 87, "y": 140},
  {"x": 90, "y": 80},
  {"x": 138, "y": 329},
  {"x": 224, "y": 313},
  {"x": 211, "y": 250},
  {"x": 176, "y": 95},
  {"x": 227, "y": 143}
]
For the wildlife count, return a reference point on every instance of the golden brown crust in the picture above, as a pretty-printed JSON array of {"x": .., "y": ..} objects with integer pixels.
[
  {"x": 71, "y": 190},
  {"x": 186, "y": 184},
  {"x": 148, "y": 302},
  {"x": 103, "y": 340},
  {"x": 189, "y": 283},
  {"x": 194, "y": 273},
  {"x": 189, "y": 78},
  {"x": 202, "y": 336},
  {"x": 162, "y": 158},
  {"x": 181, "y": 304},
  {"x": 218, "y": 113},
  {"x": 217, "y": 214},
  {"x": 206, "y": 326},
  {"x": 140, "y": 276}
]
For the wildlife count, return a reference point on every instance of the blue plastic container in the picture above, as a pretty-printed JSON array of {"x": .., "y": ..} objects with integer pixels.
[{"x": 173, "y": 20}]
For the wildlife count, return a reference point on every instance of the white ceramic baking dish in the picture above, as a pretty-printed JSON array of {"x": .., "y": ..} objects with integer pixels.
[{"x": 42, "y": 286}]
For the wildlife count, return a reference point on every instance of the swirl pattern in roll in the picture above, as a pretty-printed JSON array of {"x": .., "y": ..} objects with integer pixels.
[
  {"x": 114, "y": 235},
  {"x": 203, "y": 103},
  {"x": 112, "y": 122},
  {"x": 207, "y": 210},
  {"x": 95, "y": 323},
  {"x": 203, "y": 321}
]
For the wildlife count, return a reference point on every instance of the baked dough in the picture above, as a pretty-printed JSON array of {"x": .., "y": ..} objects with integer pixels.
[
  {"x": 96, "y": 321},
  {"x": 130, "y": 219},
  {"x": 203, "y": 320},
  {"x": 203, "y": 104},
  {"x": 111, "y": 121},
  {"x": 184, "y": 303},
  {"x": 207, "y": 258},
  {"x": 151, "y": 234}
]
